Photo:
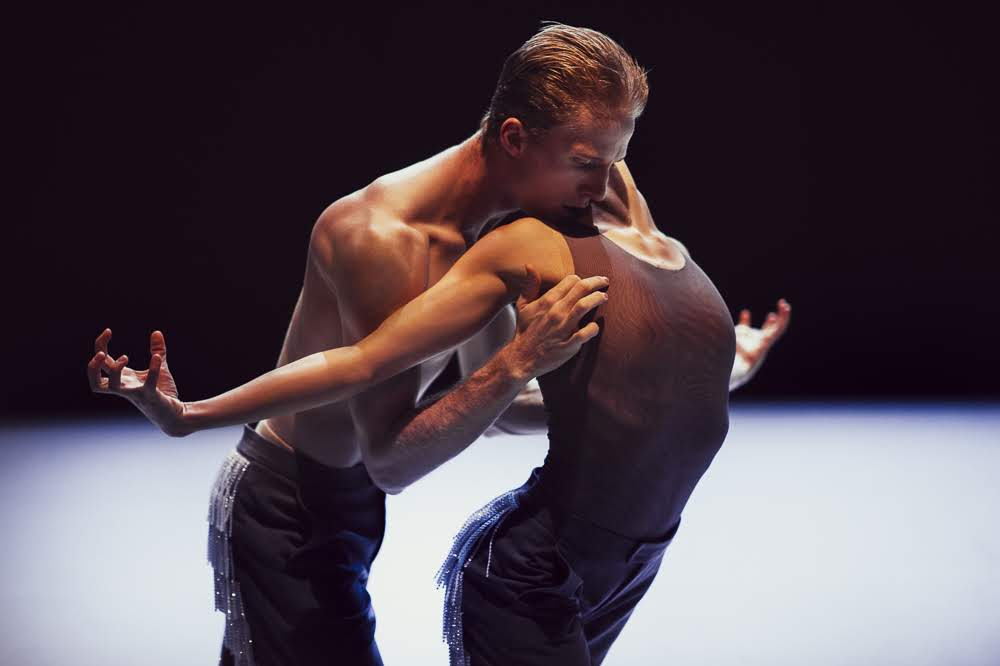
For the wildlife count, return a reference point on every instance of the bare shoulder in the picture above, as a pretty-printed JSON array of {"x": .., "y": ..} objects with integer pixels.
[
  {"x": 529, "y": 240},
  {"x": 372, "y": 262},
  {"x": 681, "y": 245},
  {"x": 523, "y": 229},
  {"x": 354, "y": 237}
]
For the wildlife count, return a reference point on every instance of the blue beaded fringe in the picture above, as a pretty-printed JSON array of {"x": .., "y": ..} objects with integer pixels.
[
  {"x": 451, "y": 573},
  {"x": 220, "y": 556}
]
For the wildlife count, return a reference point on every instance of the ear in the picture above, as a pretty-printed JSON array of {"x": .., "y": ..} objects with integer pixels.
[{"x": 513, "y": 137}]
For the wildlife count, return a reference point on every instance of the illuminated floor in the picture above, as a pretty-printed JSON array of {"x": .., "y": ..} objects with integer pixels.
[{"x": 820, "y": 536}]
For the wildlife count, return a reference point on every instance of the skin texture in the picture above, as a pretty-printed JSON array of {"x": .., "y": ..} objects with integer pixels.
[{"x": 575, "y": 166}]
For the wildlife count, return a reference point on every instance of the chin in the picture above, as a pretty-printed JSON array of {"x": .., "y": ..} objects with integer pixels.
[
  {"x": 544, "y": 212},
  {"x": 575, "y": 212},
  {"x": 558, "y": 212}
]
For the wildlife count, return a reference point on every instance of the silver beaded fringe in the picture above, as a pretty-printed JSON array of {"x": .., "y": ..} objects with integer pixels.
[
  {"x": 451, "y": 573},
  {"x": 220, "y": 556}
]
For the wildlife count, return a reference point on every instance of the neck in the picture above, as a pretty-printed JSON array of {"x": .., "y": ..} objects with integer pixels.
[{"x": 475, "y": 191}]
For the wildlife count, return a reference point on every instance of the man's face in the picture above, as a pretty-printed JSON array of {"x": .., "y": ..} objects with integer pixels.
[{"x": 567, "y": 168}]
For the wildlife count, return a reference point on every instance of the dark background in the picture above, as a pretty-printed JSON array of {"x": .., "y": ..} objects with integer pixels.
[{"x": 170, "y": 164}]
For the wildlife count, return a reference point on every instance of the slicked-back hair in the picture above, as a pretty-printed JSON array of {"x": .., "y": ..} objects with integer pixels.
[{"x": 563, "y": 75}]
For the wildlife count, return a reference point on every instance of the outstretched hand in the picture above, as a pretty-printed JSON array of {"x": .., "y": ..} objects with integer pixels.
[
  {"x": 752, "y": 344},
  {"x": 153, "y": 391}
]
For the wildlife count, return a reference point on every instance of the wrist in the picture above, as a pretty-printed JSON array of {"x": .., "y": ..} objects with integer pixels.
[
  {"x": 190, "y": 416},
  {"x": 742, "y": 369},
  {"x": 512, "y": 365}
]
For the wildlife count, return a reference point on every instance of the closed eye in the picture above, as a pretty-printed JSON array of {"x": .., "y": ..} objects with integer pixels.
[{"x": 593, "y": 164}]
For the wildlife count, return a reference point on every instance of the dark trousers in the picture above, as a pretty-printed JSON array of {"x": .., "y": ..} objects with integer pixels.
[
  {"x": 303, "y": 540},
  {"x": 558, "y": 590}
]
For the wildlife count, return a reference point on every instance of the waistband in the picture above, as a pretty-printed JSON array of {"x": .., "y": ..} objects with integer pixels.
[
  {"x": 587, "y": 539},
  {"x": 299, "y": 468}
]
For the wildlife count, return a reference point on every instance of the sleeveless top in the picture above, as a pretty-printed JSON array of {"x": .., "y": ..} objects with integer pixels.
[{"x": 636, "y": 417}]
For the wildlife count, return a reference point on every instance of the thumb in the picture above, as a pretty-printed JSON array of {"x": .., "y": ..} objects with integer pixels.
[
  {"x": 158, "y": 345},
  {"x": 531, "y": 287}
]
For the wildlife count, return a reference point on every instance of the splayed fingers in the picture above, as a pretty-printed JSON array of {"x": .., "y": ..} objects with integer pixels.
[{"x": 776, "y": 322}]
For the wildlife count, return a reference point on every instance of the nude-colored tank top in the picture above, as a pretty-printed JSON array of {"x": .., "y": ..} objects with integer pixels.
[{"x": 637, "y": 416}]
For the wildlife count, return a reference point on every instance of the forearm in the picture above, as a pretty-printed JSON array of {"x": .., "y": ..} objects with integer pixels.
[
  {"x": 443, "y": 429},
  {"x": 311, "y": 381}
]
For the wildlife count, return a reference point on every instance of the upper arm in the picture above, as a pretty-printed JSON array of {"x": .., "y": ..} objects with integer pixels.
[{"x": 484, "y": 280}]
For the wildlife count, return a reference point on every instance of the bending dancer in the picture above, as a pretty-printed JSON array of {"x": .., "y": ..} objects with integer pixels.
[{"x": 634, "y": 420}]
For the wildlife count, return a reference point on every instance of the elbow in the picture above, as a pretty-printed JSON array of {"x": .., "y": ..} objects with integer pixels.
[
  {"x": 335, "y": 375},
  {"x": 384, "y": 474},
  {"x": 522, "y": 429},
  {"x": 387, "y": 483},
  {"x": 364, "y": 372}
]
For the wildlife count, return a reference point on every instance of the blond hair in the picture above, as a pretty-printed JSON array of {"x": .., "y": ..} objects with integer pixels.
[{"x": 562, "y": 75}]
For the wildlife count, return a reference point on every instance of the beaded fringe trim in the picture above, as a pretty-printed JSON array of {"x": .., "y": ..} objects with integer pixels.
[
  {"x": 220, "y": 556},
  {"x": 451, "y": 573}
]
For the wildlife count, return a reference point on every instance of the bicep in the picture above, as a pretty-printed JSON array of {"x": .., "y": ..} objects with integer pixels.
[
  {"x": 485, "y": 279},
  {"x": 465, "y": 300}
]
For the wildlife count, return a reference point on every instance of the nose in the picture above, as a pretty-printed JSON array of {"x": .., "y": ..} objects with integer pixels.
[{"x": 596, "y": 188}]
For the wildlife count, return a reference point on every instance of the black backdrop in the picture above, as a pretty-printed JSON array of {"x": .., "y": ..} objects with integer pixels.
[{"x": 170, "y": 163}]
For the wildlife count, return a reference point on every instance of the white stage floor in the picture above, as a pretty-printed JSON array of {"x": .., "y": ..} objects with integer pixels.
[{"x": 841, "y": 535}]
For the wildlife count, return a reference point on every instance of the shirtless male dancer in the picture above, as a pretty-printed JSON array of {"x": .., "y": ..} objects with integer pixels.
[{"x": 634, "y": 421}]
